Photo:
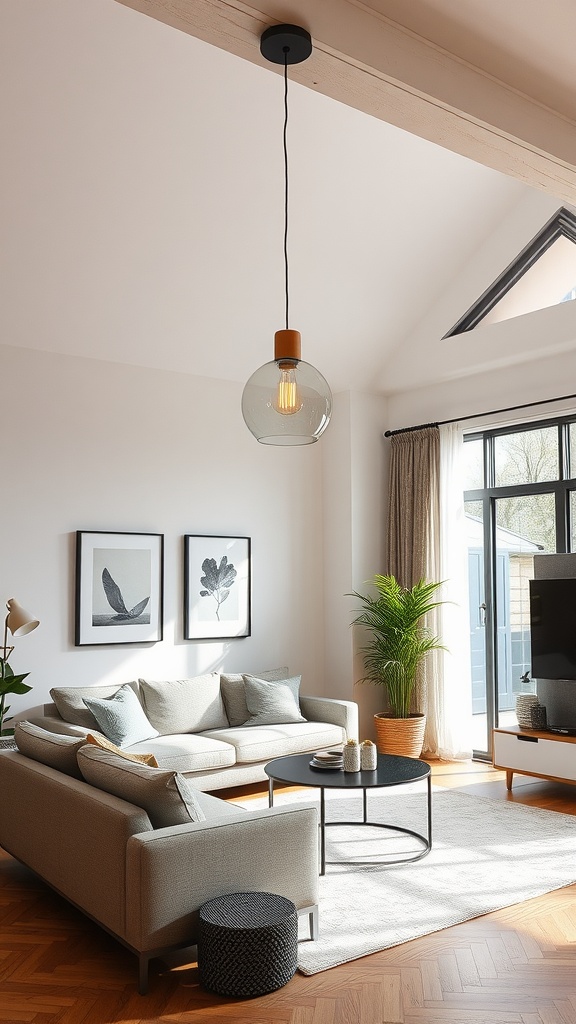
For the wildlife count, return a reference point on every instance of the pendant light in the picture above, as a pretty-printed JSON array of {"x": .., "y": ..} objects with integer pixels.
[{"x": 286, "y": 401}]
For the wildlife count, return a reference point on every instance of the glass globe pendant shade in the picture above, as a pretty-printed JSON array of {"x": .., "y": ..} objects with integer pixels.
[{"x": 287, "y": 401}]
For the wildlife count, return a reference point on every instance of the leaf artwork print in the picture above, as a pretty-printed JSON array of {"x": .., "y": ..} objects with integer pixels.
[
  {"x": 116, "y": 601},
  {"x": 217, "y": 580}
]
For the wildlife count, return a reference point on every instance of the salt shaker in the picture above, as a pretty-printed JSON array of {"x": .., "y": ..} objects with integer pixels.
[
  {"x": 351, "y": 756},
  {"x": 368, "y": 756}
]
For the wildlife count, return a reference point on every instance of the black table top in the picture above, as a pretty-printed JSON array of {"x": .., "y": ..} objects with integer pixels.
[{"x": 392, "y": 770}]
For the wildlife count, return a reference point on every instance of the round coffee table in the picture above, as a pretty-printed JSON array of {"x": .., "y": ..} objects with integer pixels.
[{"x": 391, "y": 770}]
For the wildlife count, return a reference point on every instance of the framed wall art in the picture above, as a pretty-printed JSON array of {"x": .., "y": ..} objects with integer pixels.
[
  {"x": 217, "y": 582},
  {"x": 119, "y": 587}
]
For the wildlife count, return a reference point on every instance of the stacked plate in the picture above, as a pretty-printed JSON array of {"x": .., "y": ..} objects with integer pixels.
[{"x": 330, "y": 760}]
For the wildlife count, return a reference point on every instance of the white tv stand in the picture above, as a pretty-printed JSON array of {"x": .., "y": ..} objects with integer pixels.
[{"x": 546, "y": 755}]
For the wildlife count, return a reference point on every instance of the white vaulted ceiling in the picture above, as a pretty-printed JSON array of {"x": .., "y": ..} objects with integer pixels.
[{"x": 142, "y": 191}]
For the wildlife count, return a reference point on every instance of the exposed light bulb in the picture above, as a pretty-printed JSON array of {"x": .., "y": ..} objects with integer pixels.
[{"x": 288, "y": 401}]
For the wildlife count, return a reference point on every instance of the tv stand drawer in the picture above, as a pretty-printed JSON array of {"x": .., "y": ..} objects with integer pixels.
[{"x": 553, "y": 757}]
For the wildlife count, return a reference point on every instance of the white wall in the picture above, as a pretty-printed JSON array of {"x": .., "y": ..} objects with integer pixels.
[
  {"x": 354, "y": 472},
  {"x": 523, "y": 384},
  {"x": 91, "y": 445}
]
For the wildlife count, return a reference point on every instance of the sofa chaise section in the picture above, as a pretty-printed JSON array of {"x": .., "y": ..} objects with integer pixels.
[{"x": 146, "y": 885}]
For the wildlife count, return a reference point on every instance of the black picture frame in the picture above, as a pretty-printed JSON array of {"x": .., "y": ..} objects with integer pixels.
[
  {"x": 217, "y": 587},
  {"x": 119, "y": 588}
]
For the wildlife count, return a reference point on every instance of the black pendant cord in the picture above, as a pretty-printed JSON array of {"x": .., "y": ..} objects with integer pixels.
[
  {"x": 285, "y": 140},
  {"x": 476, "y": 415}
]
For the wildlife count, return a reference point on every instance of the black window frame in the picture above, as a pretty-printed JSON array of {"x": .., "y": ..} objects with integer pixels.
[
  {"x": 563, "y": 223},
  {"x": 562, "y": 488}
]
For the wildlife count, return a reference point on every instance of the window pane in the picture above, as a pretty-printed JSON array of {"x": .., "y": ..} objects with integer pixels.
[
  {"x": 527, "y": 523},
  {"x": 473, "y": 464},
  {"x": 573, "y": 520},
  {"x": 477, "y": 607},
  {"x": 527, "y": 457},
  {"x": 572, "y": 451},
  {"x": 524, "y": 527}
]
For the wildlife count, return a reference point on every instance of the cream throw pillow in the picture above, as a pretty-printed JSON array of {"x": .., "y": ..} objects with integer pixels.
[
  {"x": 104, "y": 744},
  {"x": 184, "y": 705}
]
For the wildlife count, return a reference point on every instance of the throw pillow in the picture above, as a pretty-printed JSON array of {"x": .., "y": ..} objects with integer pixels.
[
  {"x": 101, "y": 741},
  {"x": 272, "y": 703},
  {"x": 55, "y": 750},
  {"x": 69, "y": 701},
  {"x": 232, "y": 685},
  {"x": 166, "y": 796},
  {"x": 184, "y": 705},
  {"x": 121, "y": 717}
]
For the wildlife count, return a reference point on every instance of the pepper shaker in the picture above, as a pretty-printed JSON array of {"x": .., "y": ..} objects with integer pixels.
[
  {"x": 351, "y": 756},
  {"x": 368, "y": 756}
]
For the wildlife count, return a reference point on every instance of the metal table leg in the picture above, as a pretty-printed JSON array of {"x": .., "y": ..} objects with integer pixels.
[{"x": 322, "y": 834}]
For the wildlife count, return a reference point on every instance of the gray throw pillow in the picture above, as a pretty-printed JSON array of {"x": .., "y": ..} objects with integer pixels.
[
  {"x": 55, "y": 750},
  {"x": 121, "y": 717},
  {"x": 272, "y": 703},
  {"x": 232, "y": 685},
  {"x": 166, "y": 796},
  {"x": 184, "y": 705},
  {"x": 69, "y": 701}
]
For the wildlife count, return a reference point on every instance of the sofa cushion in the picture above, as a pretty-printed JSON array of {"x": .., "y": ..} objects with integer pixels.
[
  {"x": 166, "y": 796},
  {"x": 184, "y": 705},
  {"x": 121, "y": 717},
  {"x": 70, "y": 702},
  {"x": 233, "y": 692},
  {"x": 263, "y": 742},
  {"x": 49, "y": 748},
  {"x": 188, "y": 753},
  {"x": 101, "y": 741},
  {"x": 272, "y": 703}
]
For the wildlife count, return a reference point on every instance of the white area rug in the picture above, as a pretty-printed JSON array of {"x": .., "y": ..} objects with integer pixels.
[{"x": 486, "y": 855}]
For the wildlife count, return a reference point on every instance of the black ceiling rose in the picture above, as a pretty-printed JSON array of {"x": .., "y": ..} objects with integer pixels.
[{"x": 285, "y": 44}]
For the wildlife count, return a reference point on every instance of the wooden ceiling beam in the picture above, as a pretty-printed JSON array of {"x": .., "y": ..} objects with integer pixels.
[{"x": 369, "y": 62}]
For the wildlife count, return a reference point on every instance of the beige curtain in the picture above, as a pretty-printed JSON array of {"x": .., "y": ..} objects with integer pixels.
[{"x": 414, "y": 547}]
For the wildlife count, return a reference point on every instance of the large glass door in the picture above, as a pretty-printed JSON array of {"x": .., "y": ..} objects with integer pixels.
[{"x": 518, "y": 503}]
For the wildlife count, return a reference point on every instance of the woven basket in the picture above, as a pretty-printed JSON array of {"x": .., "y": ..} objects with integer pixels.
[
  {"x": 403, "y": 736},
  {"x": 525, "y": 702}
]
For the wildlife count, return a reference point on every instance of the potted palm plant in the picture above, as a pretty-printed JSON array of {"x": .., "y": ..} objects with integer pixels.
[{"x": 397, "y": 645}]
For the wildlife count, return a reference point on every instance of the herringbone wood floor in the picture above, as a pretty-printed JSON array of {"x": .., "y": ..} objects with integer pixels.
[{"x": 516, "y": 966}]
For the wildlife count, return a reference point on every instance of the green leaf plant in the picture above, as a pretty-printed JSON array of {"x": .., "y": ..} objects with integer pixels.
[
  {"x": 217, "y": 580},
  {"x": 9, "y": 683},
  {"x": 399, "y": 639}
]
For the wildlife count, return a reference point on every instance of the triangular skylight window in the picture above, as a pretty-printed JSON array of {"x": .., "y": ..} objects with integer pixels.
[{"x": 543, "y": 274}]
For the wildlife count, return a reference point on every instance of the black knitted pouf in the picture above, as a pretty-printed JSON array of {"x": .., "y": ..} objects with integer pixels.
[{"x": 247, "y": 943}]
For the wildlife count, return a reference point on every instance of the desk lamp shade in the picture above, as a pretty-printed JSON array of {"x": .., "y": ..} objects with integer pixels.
[{"x": 19, "y": 621}]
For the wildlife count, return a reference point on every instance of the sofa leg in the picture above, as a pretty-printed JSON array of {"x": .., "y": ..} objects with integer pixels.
[
  {"x": 312, "y": 920},
  {"x": 143, "y": 962}
]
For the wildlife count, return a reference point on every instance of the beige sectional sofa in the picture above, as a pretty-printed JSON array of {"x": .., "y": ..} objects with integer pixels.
[
  {"x": 83, "y": 818},
  {"x": 145, "y": 885},
  {"x": 204, "y": 728}
]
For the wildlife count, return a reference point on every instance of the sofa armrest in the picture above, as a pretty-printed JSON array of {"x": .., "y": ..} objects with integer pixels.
[
  {"x": 53, "y": 723},
  {"x": 171, "y": 872},
  {"x": 335, "y": 712}
]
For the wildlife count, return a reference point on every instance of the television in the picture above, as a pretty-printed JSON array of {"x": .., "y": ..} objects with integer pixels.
[{"x": 553, "y": 649}]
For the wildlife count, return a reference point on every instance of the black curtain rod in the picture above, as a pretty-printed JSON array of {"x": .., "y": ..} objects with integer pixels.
[{"x": 473, "y": 416}]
